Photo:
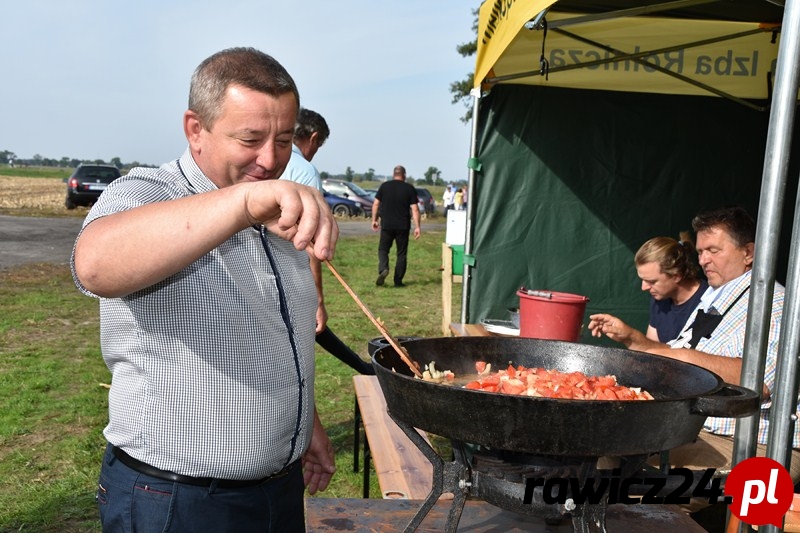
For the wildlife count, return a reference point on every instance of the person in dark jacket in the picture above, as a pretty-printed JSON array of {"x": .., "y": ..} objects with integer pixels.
[
  {"x": 310, "y": 133},
  {"x": 396, "y": 204}
]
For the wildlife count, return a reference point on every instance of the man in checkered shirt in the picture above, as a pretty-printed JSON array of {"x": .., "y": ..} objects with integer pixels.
[
  {"x": 713, "y": 336},
  {"x": 207, "y": 314}
]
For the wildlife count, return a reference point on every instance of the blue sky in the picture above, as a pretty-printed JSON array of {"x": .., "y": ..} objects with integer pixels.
[{"x": 102, "y": 78}]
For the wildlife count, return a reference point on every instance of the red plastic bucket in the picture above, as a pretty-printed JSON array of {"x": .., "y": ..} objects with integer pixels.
[{"x": 551, "y": 315}]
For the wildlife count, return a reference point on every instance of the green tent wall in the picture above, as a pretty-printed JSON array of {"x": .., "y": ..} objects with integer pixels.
[{"x": 573, "y": 181}]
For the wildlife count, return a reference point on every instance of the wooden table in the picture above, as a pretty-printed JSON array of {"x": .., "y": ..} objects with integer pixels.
[
  {"x": 368, "y": 516},
  {"x": 469, "y": 330},
  {"x": 791, "y": 522}
]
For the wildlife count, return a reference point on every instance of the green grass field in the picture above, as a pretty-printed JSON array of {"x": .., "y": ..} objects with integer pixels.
[
  {"x": 35, "y": 172},
  {"x": 53, "y": 379}
]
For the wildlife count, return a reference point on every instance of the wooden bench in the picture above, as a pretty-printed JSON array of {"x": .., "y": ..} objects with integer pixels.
[{"x": 402, "y": 470}]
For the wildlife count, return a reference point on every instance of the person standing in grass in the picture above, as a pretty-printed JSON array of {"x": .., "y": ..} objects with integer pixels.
[
  {"x": 448, "y": 198},
  {"x": 207, "y": 316},
  {"x": 397, "y": 201},
  {"x": 458, "y": 199},
  {"x": 310, "y": 133}
]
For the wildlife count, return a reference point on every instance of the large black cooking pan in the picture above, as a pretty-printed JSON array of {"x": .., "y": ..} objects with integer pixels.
[{"x": 684, "y": 396}]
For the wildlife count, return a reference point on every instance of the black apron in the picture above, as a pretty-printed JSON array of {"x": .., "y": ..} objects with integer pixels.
[{"x": 705, "y": 323}]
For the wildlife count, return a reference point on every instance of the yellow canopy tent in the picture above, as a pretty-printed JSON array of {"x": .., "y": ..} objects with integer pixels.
[
  {"x": 598, "y": 124},
  {"x": 636, "y": 49},
  {"x": 538, "y": 50}
]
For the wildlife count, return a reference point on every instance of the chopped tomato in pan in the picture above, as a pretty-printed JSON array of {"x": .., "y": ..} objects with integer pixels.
[{"x": 552, "y": 384}]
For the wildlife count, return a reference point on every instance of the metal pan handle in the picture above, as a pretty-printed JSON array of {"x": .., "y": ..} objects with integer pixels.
[{"x": 729, "y": 401}]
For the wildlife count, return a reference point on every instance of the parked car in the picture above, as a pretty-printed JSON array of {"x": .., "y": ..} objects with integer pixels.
[
  {"x": 87, "y": 182},
  {"x": 343, "y": 207},
  {"x": 348, "y": 189},
  {"x": 427, "y": 205}
]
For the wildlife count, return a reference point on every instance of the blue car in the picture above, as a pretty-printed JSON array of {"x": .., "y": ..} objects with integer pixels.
[
  {"x": 351, "y": 191},
  {"x": 343, "y": 207}
]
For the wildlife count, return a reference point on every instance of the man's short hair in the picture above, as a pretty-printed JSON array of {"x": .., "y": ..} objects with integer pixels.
[
  {"x": 247, "y": 67},
  {"x": 309, "y": 122},
  {"x": 734, "y": 220}
]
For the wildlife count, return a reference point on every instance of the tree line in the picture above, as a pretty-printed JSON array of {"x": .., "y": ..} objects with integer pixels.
[
  {"x": 432, "y": 175},
  {"x": 10, "y": 158}
]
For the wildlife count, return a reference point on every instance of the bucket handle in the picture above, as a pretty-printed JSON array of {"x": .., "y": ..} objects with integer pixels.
[{"x": 539, "y": 294}]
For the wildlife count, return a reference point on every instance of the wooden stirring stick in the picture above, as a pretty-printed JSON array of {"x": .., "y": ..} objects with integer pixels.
[{"x": 396, "y": 345}]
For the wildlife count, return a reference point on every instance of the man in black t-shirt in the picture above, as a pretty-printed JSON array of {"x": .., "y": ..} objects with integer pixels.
[{"x": 396, "y": 204}]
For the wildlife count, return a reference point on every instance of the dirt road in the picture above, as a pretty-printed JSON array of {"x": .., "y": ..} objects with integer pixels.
[{"x": 25, "y": 240}]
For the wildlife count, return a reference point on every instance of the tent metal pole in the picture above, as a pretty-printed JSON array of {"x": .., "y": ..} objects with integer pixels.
[
  {"x": 773, "y": 186},
  {"x": 473, "y": 154},
  {"x": 784, "y": 395},
  {"x": 784, "y": 399}
]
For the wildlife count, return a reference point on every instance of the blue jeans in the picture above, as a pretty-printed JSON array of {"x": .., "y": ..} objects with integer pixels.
[{"x": 131, "y": 502}]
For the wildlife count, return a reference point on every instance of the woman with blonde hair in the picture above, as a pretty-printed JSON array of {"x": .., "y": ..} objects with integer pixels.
[{"x": 670, "y": 273}]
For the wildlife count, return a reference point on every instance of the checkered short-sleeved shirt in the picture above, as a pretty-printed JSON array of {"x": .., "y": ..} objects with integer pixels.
[
  {"x": 727, "y": 340},
  {"x": 212, "y": 368}
]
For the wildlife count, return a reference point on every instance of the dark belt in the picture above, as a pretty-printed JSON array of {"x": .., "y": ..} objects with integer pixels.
[{"x": 148, "y": 470}]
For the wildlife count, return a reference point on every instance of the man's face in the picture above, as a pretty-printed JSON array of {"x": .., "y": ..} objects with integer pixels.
[
  {"x": 251, "y": 139},
  {"x": 720, "y": 258},
  {"x": 660, "y": 286}
]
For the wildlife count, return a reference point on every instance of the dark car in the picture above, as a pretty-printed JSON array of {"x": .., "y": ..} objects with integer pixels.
[
  {"x": 427, "y": 205},
  {"x": 348, "y": 189},
  {"x": 343, "y": 207},
  {"x": 87, "y": 182}
]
